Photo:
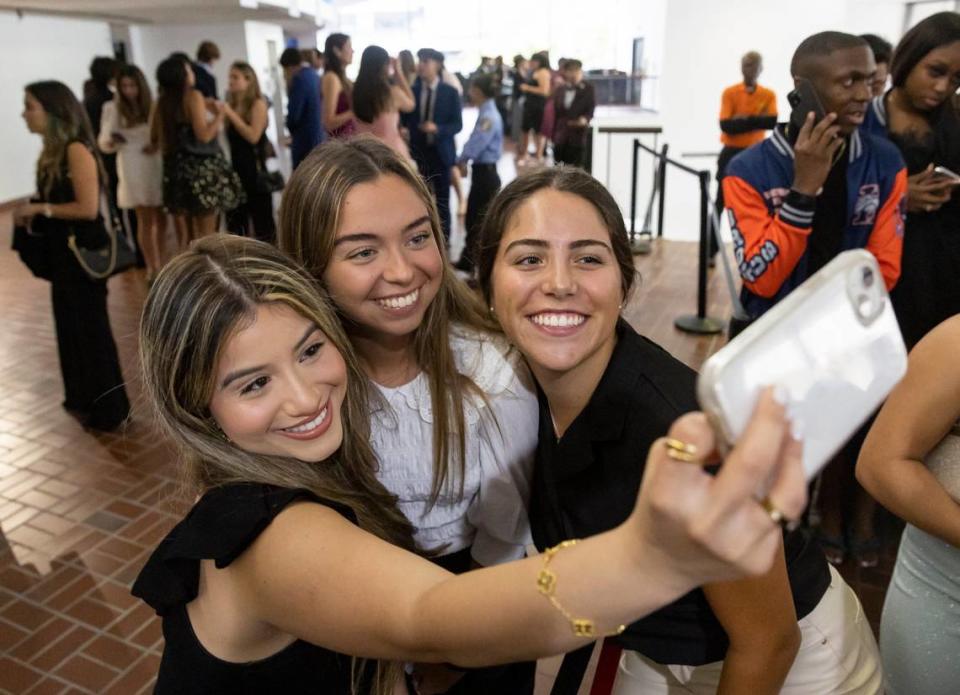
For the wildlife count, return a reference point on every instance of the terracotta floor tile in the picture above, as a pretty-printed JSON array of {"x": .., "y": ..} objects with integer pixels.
[
  {"x": 38, "y": 499},
  {"x": 132, "y": 622},
  {"x": 79, "y": 587},
  {"x": 86, "y": 673},
  {"x": 25, "y": 615},
  {"x": 51, "y": 523},
  {"x": 115, "y": 594},
  {"x": 17, "y": 579},
  {"x": 149, "y": 635},
  {"x": 93, "y": 613},
  {"x": 66, "y": 646},
  {"x": 142, "y": 674},
  {"x": 53, "y": 583},
  {"x": 41, "y": 639},
  {"x": 48, "y": 686},
  {"x": 11, "y": 635},
  {"x": 29, "y": 536},
  {"x": 15, "y": 677},
  {"x": 106, "y": 521},
  {"x": 113, "y": 652},
  {"x": 101, "y": 564},
  {"x": 121, "y": 549},
  {"x": 59, "y": 488},
  {"x": 125, "y": 509},
  {"x": 46, "y": 467}
]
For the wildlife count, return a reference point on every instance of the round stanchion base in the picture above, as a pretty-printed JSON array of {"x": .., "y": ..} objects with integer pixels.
[
  {"x": 702, "y": 326},
  {"x": 642, "y": 244}
]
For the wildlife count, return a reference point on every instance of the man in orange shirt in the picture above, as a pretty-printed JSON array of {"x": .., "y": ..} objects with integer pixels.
[{"x": 746, "y": 111}]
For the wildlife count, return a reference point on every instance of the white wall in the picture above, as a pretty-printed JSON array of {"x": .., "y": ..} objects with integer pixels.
[
  {"x": 152, "y": 43},
  {"x": 702, "y": 48},
  {"x": 39, "y": 48}
]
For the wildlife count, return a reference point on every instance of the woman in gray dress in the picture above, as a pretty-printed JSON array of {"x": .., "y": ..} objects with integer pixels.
[{"x": 911, "y": 463}]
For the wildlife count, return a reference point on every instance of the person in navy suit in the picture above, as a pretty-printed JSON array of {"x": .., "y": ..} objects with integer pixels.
[
  {"x": 432, "y": 125},
  {"x": 207, "y": 54},
  {"x": 303, "y": 105}
]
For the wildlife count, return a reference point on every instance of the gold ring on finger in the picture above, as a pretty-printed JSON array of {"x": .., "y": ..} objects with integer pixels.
[
  {"x": 776, "y": 514},
  {"x": 681, "y": 451}
]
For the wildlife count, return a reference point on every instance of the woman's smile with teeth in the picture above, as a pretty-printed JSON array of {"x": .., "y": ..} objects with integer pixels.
[
  {"x": 401, "y": 302},
  {"x": 312, "y": 425},
  {"x": 558, "y": 320}
]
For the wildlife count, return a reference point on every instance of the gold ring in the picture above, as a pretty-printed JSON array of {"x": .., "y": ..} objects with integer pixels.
[
  {"x": 776, "y": 516},
  {"x": 681, "y": 451}
]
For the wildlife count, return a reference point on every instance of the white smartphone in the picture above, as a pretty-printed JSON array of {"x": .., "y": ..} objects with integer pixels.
[
  {"x": 946, "y": 173},
  {"x": 834, "y": 347}
]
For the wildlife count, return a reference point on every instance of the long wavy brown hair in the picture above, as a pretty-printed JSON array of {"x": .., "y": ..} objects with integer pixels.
[
  {"x": 137, "y": 111},
  {"x": 243, "y": 103},
  {"x": 197, "y": 302},
  {"x": 67, "y": 122},
  {"x": 309, "y": 219}
]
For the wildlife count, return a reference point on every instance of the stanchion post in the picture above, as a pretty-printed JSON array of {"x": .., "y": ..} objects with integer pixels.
[
  {"x": 661, "y": 189},
  {"x": 633, "y": 188},
  {"x": 701, "y": 323}
]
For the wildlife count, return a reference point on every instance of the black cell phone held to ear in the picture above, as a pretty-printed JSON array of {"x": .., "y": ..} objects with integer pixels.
[{"x": 803, "y": 100}]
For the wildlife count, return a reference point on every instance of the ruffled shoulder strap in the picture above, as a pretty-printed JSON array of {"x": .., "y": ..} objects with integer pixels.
[{"x": 220, "y": 527}]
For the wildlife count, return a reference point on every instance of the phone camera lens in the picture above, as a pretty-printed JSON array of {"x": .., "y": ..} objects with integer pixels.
[{"x": 867, "y": 277}]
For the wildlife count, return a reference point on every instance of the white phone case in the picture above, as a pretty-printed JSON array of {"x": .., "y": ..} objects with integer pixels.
[{"x": 834, "y": 346}]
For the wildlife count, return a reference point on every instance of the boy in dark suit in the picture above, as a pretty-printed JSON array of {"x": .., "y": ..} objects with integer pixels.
[
  {"x": 432, "y": 125},
  {"x": 207, "y": 54},
  {"x": 573, "y": 104}
]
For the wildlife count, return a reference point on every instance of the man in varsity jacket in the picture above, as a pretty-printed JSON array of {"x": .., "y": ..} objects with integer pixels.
[{"x": 798, "y": 199}]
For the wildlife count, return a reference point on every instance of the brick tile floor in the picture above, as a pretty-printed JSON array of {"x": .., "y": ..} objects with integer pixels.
[{"x": 80, "y": 512}]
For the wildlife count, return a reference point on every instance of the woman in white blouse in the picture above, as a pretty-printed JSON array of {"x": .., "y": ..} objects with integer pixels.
[
  {"x": 454, "y": 416},
  {"x": 125, "y": 129}
]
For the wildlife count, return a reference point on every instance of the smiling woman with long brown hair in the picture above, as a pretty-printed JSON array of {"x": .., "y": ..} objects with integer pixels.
[{"x": 556, "y": 269}]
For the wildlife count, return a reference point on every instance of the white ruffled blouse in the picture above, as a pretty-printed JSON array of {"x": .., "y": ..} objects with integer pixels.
[{"x": 491, "y": 516}]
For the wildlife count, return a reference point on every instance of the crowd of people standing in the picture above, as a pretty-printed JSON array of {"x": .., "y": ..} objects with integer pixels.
[{"x": 464, "y": 426}]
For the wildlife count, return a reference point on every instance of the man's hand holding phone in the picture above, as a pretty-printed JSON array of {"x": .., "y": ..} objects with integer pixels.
[
  {"x": 816, "y": 146},
  {"x": 928, "y": 190}
]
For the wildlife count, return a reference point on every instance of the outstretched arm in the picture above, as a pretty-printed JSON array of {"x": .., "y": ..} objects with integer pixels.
[{"x": 359, "y": 595}]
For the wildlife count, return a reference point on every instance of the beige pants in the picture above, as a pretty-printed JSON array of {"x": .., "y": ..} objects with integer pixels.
[{"x": 838, "y": 656}]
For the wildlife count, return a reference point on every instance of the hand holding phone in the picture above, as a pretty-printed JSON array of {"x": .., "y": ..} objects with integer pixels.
[
  {"x": 943, "y": 173},
  {"x": 832, "y": 348},
  {"x": 803, "y": 101}
]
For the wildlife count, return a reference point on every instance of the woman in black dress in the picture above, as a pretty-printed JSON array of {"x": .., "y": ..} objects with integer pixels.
[
  {"x": 295, "y": 556},
  {"x": 70, "y": 179},
  {"x": 555, "y": 268},
  {"x": 921, "y": 115},
  {"x": 246, "y": 114},
  {"x": 537, "y": 89}
]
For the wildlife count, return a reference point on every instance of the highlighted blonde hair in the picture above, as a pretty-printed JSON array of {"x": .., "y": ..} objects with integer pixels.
[{"x": 199, "y": 300}]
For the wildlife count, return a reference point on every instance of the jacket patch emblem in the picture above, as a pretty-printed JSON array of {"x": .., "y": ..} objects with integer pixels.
[{"x": 867, "y": 205}]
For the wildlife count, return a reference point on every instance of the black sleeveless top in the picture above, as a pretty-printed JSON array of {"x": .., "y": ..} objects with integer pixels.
[
  {"x": 587, "y": 483},
  {"x": 221, "y": 526},
  {"x": 90, "y": 234}
]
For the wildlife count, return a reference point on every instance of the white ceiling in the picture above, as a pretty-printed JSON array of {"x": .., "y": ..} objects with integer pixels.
[{"x": 169, "y": 11}]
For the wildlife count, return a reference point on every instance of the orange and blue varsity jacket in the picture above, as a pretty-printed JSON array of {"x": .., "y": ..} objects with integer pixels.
[{"x": 771, "y": 223}]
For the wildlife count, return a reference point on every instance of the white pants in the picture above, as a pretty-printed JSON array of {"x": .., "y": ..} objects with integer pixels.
[{"x": 838, "y": 656}]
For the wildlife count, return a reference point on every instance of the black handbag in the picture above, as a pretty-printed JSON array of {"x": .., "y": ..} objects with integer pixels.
[
  {"x": 102, "y": 260},
  {"x": 31, "y": 243},
  {"x": 267, "y": 181}
]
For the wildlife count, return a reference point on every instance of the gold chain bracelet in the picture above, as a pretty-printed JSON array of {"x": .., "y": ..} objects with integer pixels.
[{"x": 547, "y": 585}]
